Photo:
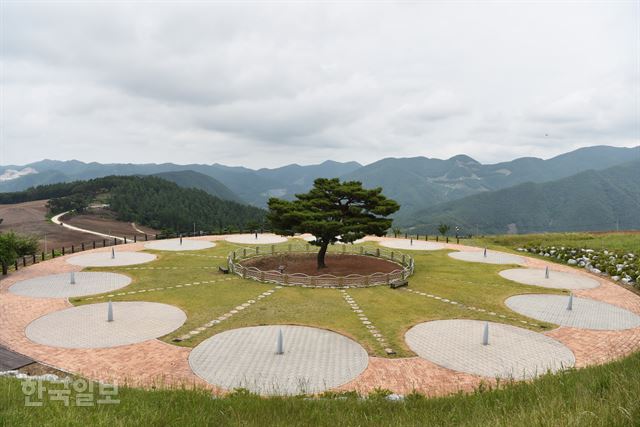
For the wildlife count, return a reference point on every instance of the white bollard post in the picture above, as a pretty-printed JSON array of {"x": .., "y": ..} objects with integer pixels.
[
  {"x": 110, "y": 312},
  {"x": 546, "y": 272},
  {"x": 72, "y": 279},
  {"x": 280, "y": 343},
  {"x": 485, "y": 334},
  {"x": 485, "y": 252},
  {"x": 570, "y": 304},
  {"x": 113, "y": 253}
]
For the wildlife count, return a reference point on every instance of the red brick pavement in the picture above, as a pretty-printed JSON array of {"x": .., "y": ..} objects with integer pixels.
[{"x": 154, "y": 362}]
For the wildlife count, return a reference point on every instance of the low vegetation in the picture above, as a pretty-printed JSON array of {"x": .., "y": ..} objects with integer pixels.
[
  {"x": 14, "y": 246},
  {"x": 603, "y": 395}
]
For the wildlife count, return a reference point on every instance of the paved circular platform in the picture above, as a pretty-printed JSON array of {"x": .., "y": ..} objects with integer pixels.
[
  {"x": 585, "y": 313},
  {"x": 511, "y": 353},
  {"x": 556, "y": 280},
  {"x": 87, "y": 327},
  {"x": 174, "y": 245},
  {"x": 103, "y": 259},
  {"x": 314, "y": 360},
  {"x": 250, "y": 239},
  {"x": 417, "y": 245},
  {"x": 59, "y": 285},
  {"x": 492, "y": 257}
]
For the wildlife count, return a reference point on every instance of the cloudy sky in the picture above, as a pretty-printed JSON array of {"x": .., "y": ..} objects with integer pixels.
[{"x": 266, "y": 84}]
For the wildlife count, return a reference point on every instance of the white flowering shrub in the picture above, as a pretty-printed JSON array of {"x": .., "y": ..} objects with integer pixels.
[{"x": 620, "y": 266}]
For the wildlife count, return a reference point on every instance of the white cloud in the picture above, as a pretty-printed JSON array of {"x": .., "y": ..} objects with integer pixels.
[{"x": 269, "y": 84}]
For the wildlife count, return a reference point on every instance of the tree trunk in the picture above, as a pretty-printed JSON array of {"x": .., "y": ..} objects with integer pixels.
[{"x": 321, "y": 253}]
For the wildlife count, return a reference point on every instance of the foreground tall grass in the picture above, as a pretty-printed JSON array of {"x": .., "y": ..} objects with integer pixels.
[{"x": 607, "y": 395}]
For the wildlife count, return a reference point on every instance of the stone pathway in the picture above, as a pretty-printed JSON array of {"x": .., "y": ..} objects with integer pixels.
[
  {"x": 366, "y": 322},
  {"x": 584, "y": 313},
  {"x": 177, "y": 245},
  {"x": 87, "y": 326},
  {"x": 556, "y": 279},
  {"x": 510, "y": 352},
  {"x": 226, "y": 315},
  {"x": 314, "y": 360},
  {"x": 61, "y": 286}
]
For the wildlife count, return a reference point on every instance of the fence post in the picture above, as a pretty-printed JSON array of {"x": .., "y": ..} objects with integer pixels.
[
  {"x": 361, "y": 250},
  {"x": 388, "y": 279},
  {"x": 34, "y": 257},
  {"x": 135, "y": 238},
  {"x": 104, "y": 243},
  {"x": 257, "y": 250},
  {"x": 403, "y": 258},
  {"x": 24, "y": 261},
  {"x": 156, "y": 236},
  {"x": 63, "y": 250},
  {"x": 145, "y": 237},
  {"x": 378, "y": 252},
  {"x": 447, "y": 239},
  {"x": 83, "y": 247},
  {"x": 16, "y": 265},
  {"x": 53, "y": 253},
  {"x": 125, "y": 240},
  {"x": 392, "y": 254},
  {"x": 457, "y": 240},
  {"x": 436, "y": 238},
  {"x": 5, "y": 268},
  {"x": 426, "y": 237},
  {"x": 43, "y": 255},
  {"x": 94, "y": 244},
  {"x": 73, "y": 249}
]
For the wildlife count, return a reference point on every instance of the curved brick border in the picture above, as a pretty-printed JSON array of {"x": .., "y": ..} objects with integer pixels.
[{"x": 155, "y": 362}]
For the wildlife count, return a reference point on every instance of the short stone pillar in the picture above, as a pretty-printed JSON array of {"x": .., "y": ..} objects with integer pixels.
[
  {"x": 110, "y": 312},
  {"x": 280, "y": 343},
  {"x": 485, "y": 334}
]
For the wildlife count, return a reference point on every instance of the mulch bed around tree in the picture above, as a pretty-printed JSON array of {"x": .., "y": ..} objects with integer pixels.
[{"x": 338, "y": 265}]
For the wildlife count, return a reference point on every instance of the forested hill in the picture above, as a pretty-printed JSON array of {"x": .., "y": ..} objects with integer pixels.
[
  {"x": 149, "y": 201},
  {"x": 591, "y": 200}
]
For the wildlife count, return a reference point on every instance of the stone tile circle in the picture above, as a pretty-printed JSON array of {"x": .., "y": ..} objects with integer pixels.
[
  {"x": 87, "y": 326},
  {"x": 314, "y": 360},
  {"x": 174, "y": 245},
  {"x": 416, "y": 245},
  {"x": 60, "y": 286},
  {"x": 556, "y": 280},
  {"x": 585, "y": 313},
  {"x": 493, "y": 257},
  {"x": 511, "y": 352},
  {"x": 250, "y": 239},
  {"x": 103, "y": 259}
]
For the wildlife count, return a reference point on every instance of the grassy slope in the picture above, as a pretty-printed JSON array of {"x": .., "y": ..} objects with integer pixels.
[
  {"x": 596, "y": 396},
  {"x": 393, "y": 312}
]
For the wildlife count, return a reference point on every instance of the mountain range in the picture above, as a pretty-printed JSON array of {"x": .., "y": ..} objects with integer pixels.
[{"x": 426, "y": 188}]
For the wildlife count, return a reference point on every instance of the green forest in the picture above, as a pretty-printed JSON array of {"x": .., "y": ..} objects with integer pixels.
[{"x": 147, "y": 200}]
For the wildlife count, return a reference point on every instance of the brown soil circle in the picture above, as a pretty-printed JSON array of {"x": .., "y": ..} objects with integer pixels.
[{"x": 337, "y": 264}]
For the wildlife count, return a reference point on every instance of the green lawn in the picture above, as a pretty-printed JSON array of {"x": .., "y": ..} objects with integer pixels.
[
  {"x": 604, "y": 396},
  {"x": 191, "y": 281}
]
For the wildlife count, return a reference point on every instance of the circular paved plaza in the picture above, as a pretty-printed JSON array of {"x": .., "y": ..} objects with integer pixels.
[
  {"x": 556, "y": 280},
  {"x": 103, "y": 259},
  {"x": 60, "y": 286},
  {"x": 87, "y": 326},
  {"x": 585, "y": 313},
  {"x": 250, "y": 239},
  {"x": 492, "y": 257},
  {"x": 314, "y": 360},
  {"x": 174, "y": 245},
  {"x": 511, "y": 352},
  {"x": 417, "y": 245}
]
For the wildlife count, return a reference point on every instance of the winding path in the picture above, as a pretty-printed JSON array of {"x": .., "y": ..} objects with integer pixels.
[
  {"x": 154, "y": 362},
  {"x": 56, "y": 220}
]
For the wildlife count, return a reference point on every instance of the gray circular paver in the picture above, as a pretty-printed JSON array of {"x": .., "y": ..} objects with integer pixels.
[
  {"x": 174, "y": 245},
  {"x": 314, "y": 360},
  {"x": 418, "y": 245},
  {"x": 511, "y": 353},
  {"x": 585, "y": 313},
  {"x": 556, "y": 280},
  {"x": 250, "y": 239},
  {"x": 103, "y": 259},
  {"x": 492, "y": 257},
  {"x": 87, "y": 327},
  {"x": 59, "y": 285}
]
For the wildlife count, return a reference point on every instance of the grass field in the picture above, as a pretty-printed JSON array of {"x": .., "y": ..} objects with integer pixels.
[
  {"x": 624, "y": 241},
  {"x": 392, "y": 312},
  {"x": 596, "y": 396}
]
